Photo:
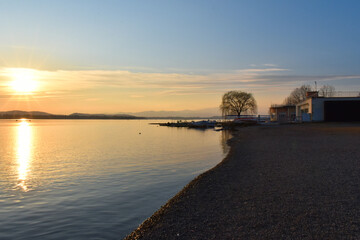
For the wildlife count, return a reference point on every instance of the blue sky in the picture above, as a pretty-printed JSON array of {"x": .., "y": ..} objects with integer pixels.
[{"x": 297, "y": 40}]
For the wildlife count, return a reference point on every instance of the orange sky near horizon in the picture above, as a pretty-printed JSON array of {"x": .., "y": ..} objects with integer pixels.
[
  {"x": 116, "y": 91},
  {"x": 111, "y": 91},
  {"x": 128, "y": 56}
]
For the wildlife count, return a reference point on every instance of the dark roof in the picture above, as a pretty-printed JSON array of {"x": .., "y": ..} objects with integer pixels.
[{"x": 282, "y": 106}]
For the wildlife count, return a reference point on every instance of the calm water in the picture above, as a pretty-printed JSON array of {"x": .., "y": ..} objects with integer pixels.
[{"x": 94, "y": 179}]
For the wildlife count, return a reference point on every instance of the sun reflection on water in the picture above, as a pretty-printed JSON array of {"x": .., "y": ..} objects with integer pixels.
[{"x": 24, "y": 141}]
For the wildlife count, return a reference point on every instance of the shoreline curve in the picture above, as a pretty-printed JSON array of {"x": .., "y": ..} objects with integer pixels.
[{"x": 287, "y": 181}]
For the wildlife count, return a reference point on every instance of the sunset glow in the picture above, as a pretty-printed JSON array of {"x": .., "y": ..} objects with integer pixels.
[
  {"x": 251, "y": 109},
  {"x": 23, "y": 81},
  {"x": 82, "y": 65}
]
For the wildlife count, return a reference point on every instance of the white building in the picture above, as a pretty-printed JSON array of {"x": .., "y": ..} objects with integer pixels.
[{"x": 318, "y": 109}]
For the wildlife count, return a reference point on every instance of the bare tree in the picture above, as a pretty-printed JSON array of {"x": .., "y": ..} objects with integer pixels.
[
  {"x": 327, "y": 91},
  {"x": 237, "y": 102},
  {"x": 297, "y": 95}
]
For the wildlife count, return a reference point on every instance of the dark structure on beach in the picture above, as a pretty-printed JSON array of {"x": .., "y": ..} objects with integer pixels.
[
  {"x": 340, "y": 107},
  {"x": 282, "y": 113},
  {"x": 329, "y": 109}
]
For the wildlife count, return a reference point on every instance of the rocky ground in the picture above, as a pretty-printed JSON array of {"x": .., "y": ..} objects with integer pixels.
[{"x": 278, "y": 182}]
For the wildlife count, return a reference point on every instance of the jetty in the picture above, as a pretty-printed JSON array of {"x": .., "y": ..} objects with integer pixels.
[
  {"x": 191, "y": 124},
  {"x": 235, "y": 121}
]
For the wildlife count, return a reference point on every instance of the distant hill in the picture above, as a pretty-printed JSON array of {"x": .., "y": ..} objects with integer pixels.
[
  {"x": 18, "y": 112},
  {"x": 202, "y": 113},
  {"x": 101, "y": 116},
  {"x": 24, "y": 114},
  {"x": 43, "y": 115}
]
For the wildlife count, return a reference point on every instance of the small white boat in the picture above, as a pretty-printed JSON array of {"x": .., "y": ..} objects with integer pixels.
[{"x": 203, "y": 124}]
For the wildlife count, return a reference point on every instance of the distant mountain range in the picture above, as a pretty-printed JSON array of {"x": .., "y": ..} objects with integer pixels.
[
  {"x": 43, "y": 115},
  {"x": 202, "y": 113},
  {"x": 101, "y": 116},
  {"x": 17, "y": 112}
]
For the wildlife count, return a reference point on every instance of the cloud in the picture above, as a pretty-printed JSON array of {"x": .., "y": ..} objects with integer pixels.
[
  {"x": 92, "y": 99},
  {"x": 270, "y": 65},
  {"x": 263, "y": 65},
  {"x": 65, "y": 83},
  {"x": 107, "y": 90}
]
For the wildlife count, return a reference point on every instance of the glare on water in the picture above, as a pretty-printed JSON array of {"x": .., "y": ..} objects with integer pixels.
[
  {"x": 23, "y": 153},
  {"x": 78, "y": 179}
]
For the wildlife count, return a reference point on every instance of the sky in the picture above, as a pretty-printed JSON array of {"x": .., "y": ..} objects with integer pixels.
[{"x": 130, "y": 56}]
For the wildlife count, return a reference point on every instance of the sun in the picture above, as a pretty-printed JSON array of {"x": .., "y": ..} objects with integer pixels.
[{"x": 23, "y": 81}]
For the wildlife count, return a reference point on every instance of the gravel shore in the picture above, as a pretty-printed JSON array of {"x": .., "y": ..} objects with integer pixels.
[{"x": 277, "y": 182}]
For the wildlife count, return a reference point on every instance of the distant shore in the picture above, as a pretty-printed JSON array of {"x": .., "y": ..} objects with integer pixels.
[
  {"x": 277, "y": 182},
  {"x": 17, "y": 114}
]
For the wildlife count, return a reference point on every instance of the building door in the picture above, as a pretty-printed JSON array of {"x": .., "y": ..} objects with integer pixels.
[
  {"x": 342, "y": 111},
  {"x": 305, "y": 117}
]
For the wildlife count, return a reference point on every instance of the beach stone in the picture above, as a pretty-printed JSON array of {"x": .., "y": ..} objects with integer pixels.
[{"x": 277, "y": 182}]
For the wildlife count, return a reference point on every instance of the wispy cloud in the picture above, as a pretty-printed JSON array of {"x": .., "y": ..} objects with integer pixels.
[
  {"x": 64, "y": 83},
  {"x": 264, "y": 65},
  {"x": 107, "y": 90},
  {"x": 270, "y": 65},
  {"x": 136, "y": 96}
]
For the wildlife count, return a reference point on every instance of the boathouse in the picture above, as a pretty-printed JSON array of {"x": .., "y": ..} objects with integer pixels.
[
  {"x": 282, "y": 113},
  {"x": 331, "y": 109}
]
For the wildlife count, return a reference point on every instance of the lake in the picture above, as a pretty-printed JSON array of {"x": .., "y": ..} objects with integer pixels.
[{"x": 94, "y": 179}]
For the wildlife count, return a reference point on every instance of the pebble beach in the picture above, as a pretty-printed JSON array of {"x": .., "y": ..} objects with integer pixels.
[{"x": 277, "y": 182}]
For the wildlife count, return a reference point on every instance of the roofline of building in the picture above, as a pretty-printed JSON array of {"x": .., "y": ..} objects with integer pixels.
[
  {"x": 330, "y": 98},
  {"x": 281, "y": 106}
]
